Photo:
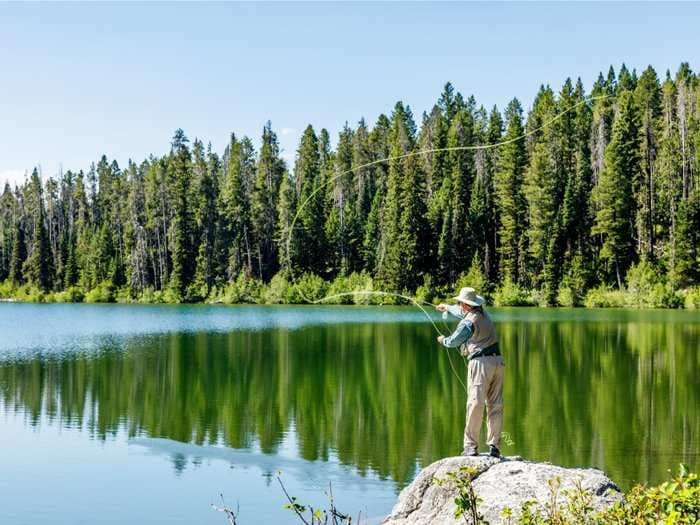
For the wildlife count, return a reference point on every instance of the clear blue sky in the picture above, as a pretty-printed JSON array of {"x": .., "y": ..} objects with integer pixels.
[{"x": 79, "y": 80}]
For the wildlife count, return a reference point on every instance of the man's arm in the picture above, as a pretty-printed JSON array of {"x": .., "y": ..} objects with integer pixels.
[
  {"x": 453, "y": 309},
  {"x": 460, "y": 336}
]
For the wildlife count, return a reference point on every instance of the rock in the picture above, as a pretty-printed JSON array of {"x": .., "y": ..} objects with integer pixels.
[{"x": 508, "y": 482}]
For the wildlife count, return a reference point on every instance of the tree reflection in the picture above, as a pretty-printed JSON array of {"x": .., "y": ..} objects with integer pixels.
[{"x": 621, "y": 395}]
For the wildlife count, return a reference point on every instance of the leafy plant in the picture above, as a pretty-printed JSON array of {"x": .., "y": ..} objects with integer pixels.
[
  {"x": 466, "y": 501},
  {"x": 102, "y": 293},
  {"x": 691, "y": 298},
  {"x": 675, "y": 502},
  {"x": 511, "y": 294}
]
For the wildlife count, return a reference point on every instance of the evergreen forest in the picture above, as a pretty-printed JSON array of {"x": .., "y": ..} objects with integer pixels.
[{"x": 589, "y": 198}]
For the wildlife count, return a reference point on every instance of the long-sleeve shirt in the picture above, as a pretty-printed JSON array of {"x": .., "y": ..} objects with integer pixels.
[{"x": 464, "y": 329}]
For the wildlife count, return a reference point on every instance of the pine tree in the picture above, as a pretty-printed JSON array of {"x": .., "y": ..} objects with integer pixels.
[
  {"x": 138, "y": 272},
  {"x": 668, "y": 174},
  {"x": 400, "y": 267},
  {"x": 182, "y": 226},
  {"x": 374, "y": 242},
  {"x": 541, "y": 184},
  {"x": 578, "y": 259},
  {"x": 613, "y": 195},
  {"x": 481, "y": 201},
  {"x": 540, "y": 191},
  {"x": 486, "y": 168},
  {"x": 687, "y": 246},
  {"x": 36, "y": 268},
  {"x": 235, "y": 239},
  {"x": 8, "y": 213},
  {"x": 364, "y": 175},
  {"x": 18, "y": 255},
  {"x": 270, "y": 169},
  {"x": 510, "y": 197},
  {"x": 602, "y": 97},
  {"x": 648, "y": 99},
  {"x": 460, "y": 163},
  {"x": 309, "y": 235},
  {"x": 205, "y": 220}
]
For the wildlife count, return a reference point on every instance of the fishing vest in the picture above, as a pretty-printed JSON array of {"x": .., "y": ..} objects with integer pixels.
[{"x": 483, "y": 333}]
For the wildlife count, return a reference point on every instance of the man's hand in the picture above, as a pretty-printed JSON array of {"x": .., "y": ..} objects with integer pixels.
[
  {"x": 442, "y": 307},
  {"x": 440, "y": 338}
]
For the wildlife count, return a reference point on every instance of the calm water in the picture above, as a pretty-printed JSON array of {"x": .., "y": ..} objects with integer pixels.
[{"x": 144, "y": 414}]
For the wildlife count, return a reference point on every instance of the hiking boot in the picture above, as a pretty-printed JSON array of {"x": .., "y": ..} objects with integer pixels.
[
  {"x": 494, "y": 452},
  {"x": 470, "y": 452}
]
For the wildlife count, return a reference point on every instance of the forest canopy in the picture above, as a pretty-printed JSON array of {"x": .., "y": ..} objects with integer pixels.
[{"x": 599, "y": 204}]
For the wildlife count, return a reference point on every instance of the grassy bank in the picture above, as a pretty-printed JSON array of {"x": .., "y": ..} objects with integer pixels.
[{"x": 644, "y": 288}]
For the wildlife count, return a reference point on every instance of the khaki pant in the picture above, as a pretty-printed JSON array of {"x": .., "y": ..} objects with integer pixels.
[{"x": 485, "y": 389}]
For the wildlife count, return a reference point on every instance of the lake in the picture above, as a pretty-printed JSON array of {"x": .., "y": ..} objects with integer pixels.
[{"x": 145, "y": 414}]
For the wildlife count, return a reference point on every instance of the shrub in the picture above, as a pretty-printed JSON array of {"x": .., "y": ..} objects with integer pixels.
[
  {"x": 277, "y": 291},
  {"x": 150, "y": 296},
  {"x": 566, "y": 297},
  {"x": 574, "y": 284},
  {"x": 29, "y": 294},
  {"x": 537, "y": 297},
  {"x": 691, "y": 298},
  {"x": 172, "y": 295},
  {"x": 245, "y": 289},
  {"x": 348, "y": 289},
  {"x": 474, "y": 278},
  {"x": 674, "y": 501},
  {"x": 72, "y": 294},
  {"x": 510, "y": 294},
  {"x": 124, "y": 295},
  {"x": 308, "y": 288},
  {"x": 647, "y": 288},
  {"x": 102, "y": 293},
  {"x": 425, "y": 293},
  {"x": 605, "y": 297},
  {"x": 7, "y": 290},
  {"x": 363, "y": 282}
]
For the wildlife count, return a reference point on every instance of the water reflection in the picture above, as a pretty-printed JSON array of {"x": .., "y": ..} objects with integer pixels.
[{"x": 617, "y": 390}]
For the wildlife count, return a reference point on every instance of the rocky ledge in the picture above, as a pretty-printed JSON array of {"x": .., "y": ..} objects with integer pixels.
[{"x": 508, "y": 482}]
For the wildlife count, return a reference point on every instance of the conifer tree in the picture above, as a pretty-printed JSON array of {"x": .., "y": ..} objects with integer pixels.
[
  {"x": 138, "y": 274},
  {"x": 510, "y": 197},
  {"x": 309, "y": 227},
  {"x": 8, "y": 213},
  {"x": 399, "y": 267},
  {"x": 18, "y": 255},
  {"x": 289, "y": 247},
  {"x": 269, "y": 171},
  {"x": 613, "y": 195},
  {"x": 364, "y": 176},
  {"x": 648, "y": 99},
  {"x": 541, "y": 184},
  {"x": 374, "y": 241},
  {"x": 235, "y": 241},
  {"x": 460, "y": 166},
  {"x": 205, "y": 220},
  {"x": 36, "y": 268},
  {"x": 182, "y": 227}
]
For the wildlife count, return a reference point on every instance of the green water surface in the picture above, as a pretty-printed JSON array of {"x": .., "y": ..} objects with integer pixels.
[{"x": 114, "y": 414}]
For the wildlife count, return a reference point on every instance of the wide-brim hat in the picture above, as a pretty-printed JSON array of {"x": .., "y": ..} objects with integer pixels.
[{"x": 468, "y": 296}]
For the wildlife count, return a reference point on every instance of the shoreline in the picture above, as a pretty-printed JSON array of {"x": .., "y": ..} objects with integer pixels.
[{"x": 398, "y": 304}]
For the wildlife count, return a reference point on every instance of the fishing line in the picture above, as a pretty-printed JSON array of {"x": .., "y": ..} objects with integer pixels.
[{"x": 475, "y": 147}]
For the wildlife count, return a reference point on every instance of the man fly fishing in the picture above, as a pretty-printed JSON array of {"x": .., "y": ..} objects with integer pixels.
[{"x": 475, "y": 335}]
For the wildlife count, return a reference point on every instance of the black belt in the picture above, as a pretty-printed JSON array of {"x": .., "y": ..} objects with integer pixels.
[{"x": 489, "y": 350}]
